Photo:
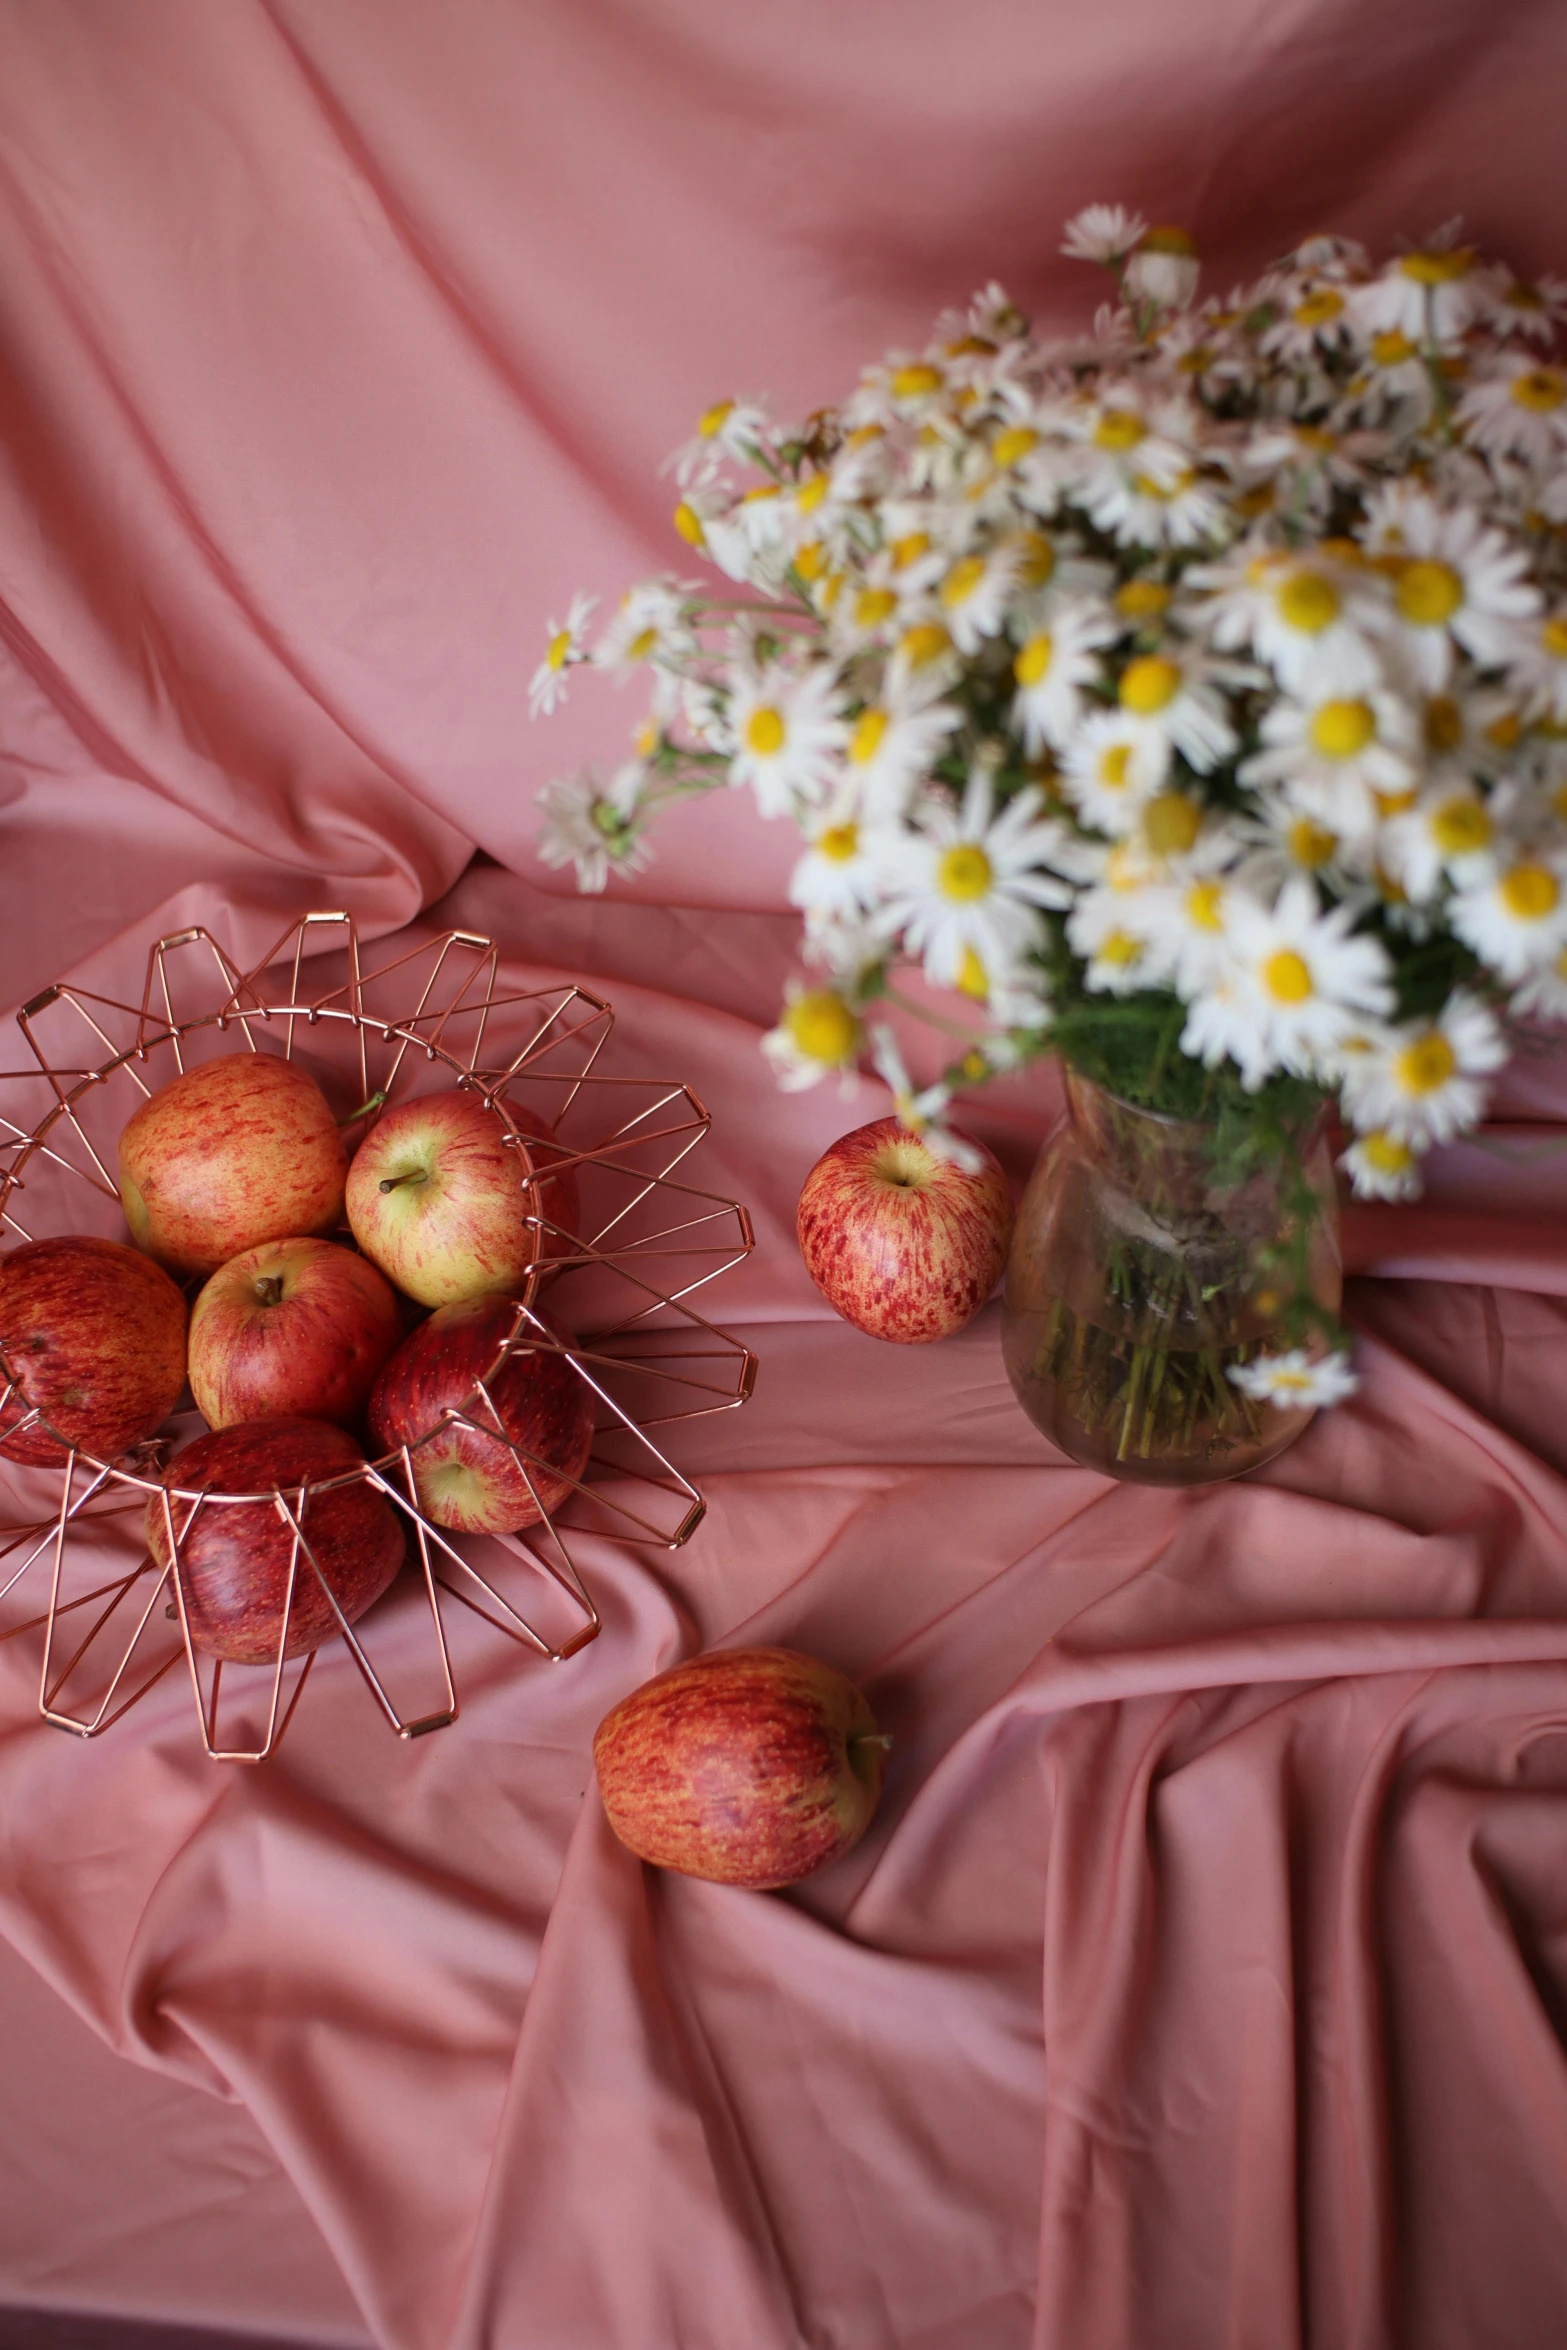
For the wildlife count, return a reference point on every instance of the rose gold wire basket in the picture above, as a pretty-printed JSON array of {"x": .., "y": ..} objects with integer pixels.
[{"x": 624, "y": 1283}]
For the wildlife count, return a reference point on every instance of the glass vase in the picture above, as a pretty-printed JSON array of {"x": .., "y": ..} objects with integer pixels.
[{"x": 1151, "y": 1257}]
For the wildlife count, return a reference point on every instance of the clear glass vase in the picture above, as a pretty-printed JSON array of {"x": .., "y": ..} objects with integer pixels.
[{"x": 1151, "y": 1257}]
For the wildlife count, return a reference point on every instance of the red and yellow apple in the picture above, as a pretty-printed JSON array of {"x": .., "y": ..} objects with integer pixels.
[
  {"x": 468, "y": 1478},
  {"x": 748, "y": 1766},
  {"x": 234, "y": 1554},
  {"x": 93, "y": 1340},
  {"x": 905, "y": 1244},
  {"x": 237, "y": 1151},
  {"x": 292, "y": 1329},
  {"x": 437, "y": 1196}
]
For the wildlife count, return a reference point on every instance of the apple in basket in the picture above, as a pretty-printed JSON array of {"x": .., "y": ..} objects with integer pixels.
[
  {"x": 467, "y": 1477},
  {"x": 93, "y": 1340},
  {"x": 905, "y": 1244},
  {"x": 437, "y": 1196},
  {"x": 239, "y": 1150},
  {"x": 748, "y": 1766},
  {"x": 234, "y": 1555},
  {"x": 292, "y": 1329}
]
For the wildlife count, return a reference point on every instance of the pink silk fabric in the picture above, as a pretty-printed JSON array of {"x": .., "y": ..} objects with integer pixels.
[{"x": 1203, "y": 1978}]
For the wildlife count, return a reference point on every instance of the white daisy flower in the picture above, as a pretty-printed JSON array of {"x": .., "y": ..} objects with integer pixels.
[
  {"x": 1530, "y": 307},
  {"x": 1392, "y": 376},
  {"x": 836, "y": 879},
  {"x": 651, "y": 624},
  {"x": 1334, "y": 757},
  {"x": 1114, "y": 928},
  {"x": 566, "y": 649},
  {"x": 819, "y": 1034},
  {"x": 1164, "y": 268},
  {"x": 1296, "y": 1381},
  {"x": 894, "y": 745},
  {"x": 1381, "y": 1166},
  {"x": 1295, "y": 986},
  {"x": 1310, "y": 618},
  {"x": 594, "y": 825},
  {"x": 975, "y": 593},
  {"x": 923, "y": 1111},
  {"x": 1188, "y": 930},
  {"x": 789, "y": 736},
  {"x": 1170, "y": 697},
  {"x": 964, "y": 882},
  {"x": 1146, "y": 509},
  {"x": 1543, "y": 995},
  {"x": 1431, "y": 294},
  {"x": 1111, "y": 766},
  {"x": 1539, "y": 668},
  {"x": 1421, "y": 1083},
  {"x": 1448, "y": 834},
  {"x": 1516, "y": 918},
  {"x": 1105, "y": 233},
  {"x": 1051, "y": 667},
  {"x": 1314, "y": 317},
  {"x": 1518, "y": 408},
  {"x": 732, "y": 431},
  {"x": 1457, "y": 582}
]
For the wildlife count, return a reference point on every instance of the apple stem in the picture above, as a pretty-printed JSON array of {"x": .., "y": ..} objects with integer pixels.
[
  {"x": 269, "y": 1288},
  {"x": 881, "y": 1738},
  {"x": 391, "y": 1182},
  {"x": 363, "y": 1111}
]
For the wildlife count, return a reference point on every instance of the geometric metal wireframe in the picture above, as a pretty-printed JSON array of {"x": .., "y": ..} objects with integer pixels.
[{"x": 613, "y": 1297}]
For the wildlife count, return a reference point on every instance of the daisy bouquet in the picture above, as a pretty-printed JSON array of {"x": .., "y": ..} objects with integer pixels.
[{"x": 1188, "y": 698}]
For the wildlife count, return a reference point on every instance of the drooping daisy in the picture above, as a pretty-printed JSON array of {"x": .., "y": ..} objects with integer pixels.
[
  {"x": 819, "y": 1033},
  {"x": 1381, "y": 1166},
  {"x": 1518, "y": 408},
  {"x": 1296, "y": 1381},
  {"x": 966, "y": 881},
  {"x": 595, "y": 826},
  {"x": 1310, "y": 616},
  {"x": 1052, "y": 665},
  {"x": 1105, "y": 233},
  {"x": 1334, "y": 757},
  {"x": 566, "y": 651},
  {"x": 1422, "y": 1082},
  {"x": 1516, "y": 918},
  {"x": 1164, "y": 268},
  {"x": 1295, "y": 986},
  {"x": 789, "y": 735},
  {"x": 1431, "y": 294},
  {"x": 1457, "y": 581}
]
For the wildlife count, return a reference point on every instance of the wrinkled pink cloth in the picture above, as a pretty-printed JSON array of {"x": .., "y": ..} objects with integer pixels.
[{"x": 1203, "y": 1978}]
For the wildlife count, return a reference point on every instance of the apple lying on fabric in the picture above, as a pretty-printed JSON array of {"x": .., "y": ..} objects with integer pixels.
[
  {"x": 522, "y": 1440},
  {"x": 295, "y": 1328},
  {"x": 746, "y": 1766},
  {"x": 441, "y": 1198},
  {"x": 93, "y": 1339},
  {"x": 231, "y": 1153},
  {"x": 235, "y": 1555},
  {"x": 905, "y": 1244}
]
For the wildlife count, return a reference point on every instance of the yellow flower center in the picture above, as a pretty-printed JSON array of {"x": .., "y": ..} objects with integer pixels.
[
  {"x": 925, "y": 644},
  {"x": 866, "y": 739},
  {"x": 971, "y": 977},
  {"x": 839, "y": 843},
  {"x": 1119, "y": 429},
  {"x": 962, "y": 580},
  {"x": 1202, "y": 906},
  {"x": 1460, "y": 827},
  {"x": 874, "y": 605},
  {"x": 1149, "y": 684},
  {"x": 645, "y": 741},
  {"x": 1394, "y": 803},
  {"x": 1013, "y": 445},
  {"x": 1386, "y": 1154},
  {"x": 765, "y": 731},
  {"x": 689, "y": 524},
  {"x": 560, "y": 646},
  {"x": 761, "y": 494},
  {"x": 1287, "y": 977},
  {"x": 1037, "y": 558},
  {"x": 1553, "y": 637},
  {"x": 713, "y": 419},
  {"x": 1317, "y": 439},
  {"x": 1427, "y": 594},
  {"x": 916, "y": 382},
  {"x": 1171, "y": 823},
  {"x": 1426, "y": 1065},
  {"x": 1530, "y": 892},
  {"x": 909, "y": 549},
  {"x": 1114, "y": 760},
  {"x": 1540, "y": 389},
  {"x": 1169, "y": 240},
  {"x": 810, "y": 493},
  {"x": 1311, "y": 844},
  {"x": 1319, "y": 308},
  {"x": 1438, "y": 269},
  {"x": 1162, "y": 492},
  {"x": 1503, "y": 732},
  {"x": 1195, "y": 361},
  {"x": 1034, "y": 658},
  {"x": 964, "y": 873},
  {"x": 822, "y": 1027},
  {"x": 641, "y": 644},
  {"x": 1342, "y": 729},
  {"x": 1122, "y": 948},
  {"x": 1392, "y": 350},
  {"x": 1308, "y": 602},
  {"x": 810, "y": 561},
  {"x": 1142, "y": 599},
  {"x": 1443, "y": 725}
]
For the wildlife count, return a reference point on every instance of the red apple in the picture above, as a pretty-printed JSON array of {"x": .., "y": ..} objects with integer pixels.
[
  {"x": 292, "y": 1329},
  {"x": 240, "y": 1150},
  {"x": 234, "y": 1555},
  {"x": 437, "y": 1197},
  {"x": 749, "y": 1766},
  {"x": 466, "y": 1478},
  {"x": 905, "y": 1244},
  {"x": 93, "y": 1340}
]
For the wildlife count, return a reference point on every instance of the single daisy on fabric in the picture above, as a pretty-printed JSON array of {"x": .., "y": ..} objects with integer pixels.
[
  {"x": 968, "y": 881},
  {"x": 1295, "y": 1381},
  {"x": 1422, "y": 1082},
  {"x": 565, "y": 650}
]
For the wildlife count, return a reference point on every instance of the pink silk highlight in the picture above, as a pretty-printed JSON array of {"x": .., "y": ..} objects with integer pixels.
[{"x": 1202, "y": 1979}]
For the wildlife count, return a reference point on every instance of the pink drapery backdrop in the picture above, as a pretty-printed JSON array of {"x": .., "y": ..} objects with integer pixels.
[{"x": 1204, "y": 1977}]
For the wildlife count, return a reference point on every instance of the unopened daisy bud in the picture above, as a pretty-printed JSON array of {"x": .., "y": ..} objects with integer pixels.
[{"x": 1164, "y": 269}]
